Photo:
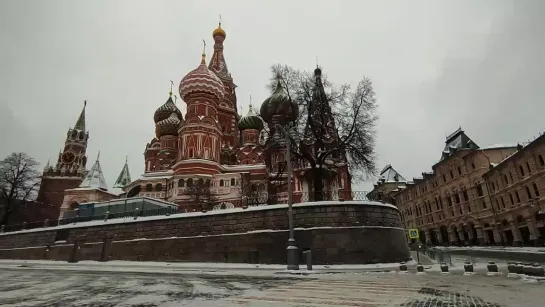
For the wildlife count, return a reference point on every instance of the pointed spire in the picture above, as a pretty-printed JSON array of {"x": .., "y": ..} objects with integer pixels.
[
  {"x": 47, "y": 165},
  {"x": 217, "y": 62},
  {"x": 171, "y": 85},
  {"x": 95, "y": 177},
  {"x": 203, "y": 59},
  {"x": 80, "y": 124},
  {"x": 124, "y": 177}
]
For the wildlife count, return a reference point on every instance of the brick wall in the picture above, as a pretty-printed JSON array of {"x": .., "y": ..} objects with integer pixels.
[{"x": 344, "y": 232}]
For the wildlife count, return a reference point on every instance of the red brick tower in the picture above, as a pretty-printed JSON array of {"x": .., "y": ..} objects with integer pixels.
[
  {"x": 201, "y": 133},
  {"x": 227, "y": 107},
  {"x": 69, "y": 171}
]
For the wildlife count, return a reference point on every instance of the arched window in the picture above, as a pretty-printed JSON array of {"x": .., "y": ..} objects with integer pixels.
[
  {"x": 158, "y": 187},
  {"x": 233, "y": 182},
  {"x": 200, "y": 182},
  {"x": 207, "y": 183},
  {"x": 190, "y": 182},
  {"x": 149, "y": 187},
  {"x": 221, "y": 183},
  {"x": 74, "y": 205},
  {"x": 181, "y": 183}
]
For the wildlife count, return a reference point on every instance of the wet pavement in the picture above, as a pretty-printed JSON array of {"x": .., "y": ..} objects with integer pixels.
[{"x": 38, "y": 287}]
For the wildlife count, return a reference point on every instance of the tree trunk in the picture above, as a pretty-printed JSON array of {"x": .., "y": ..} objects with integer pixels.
[{"x": 318, "y": 186}]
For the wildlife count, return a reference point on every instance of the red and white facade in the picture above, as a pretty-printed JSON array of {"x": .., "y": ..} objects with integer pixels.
[{"x": 210, "y": 144}]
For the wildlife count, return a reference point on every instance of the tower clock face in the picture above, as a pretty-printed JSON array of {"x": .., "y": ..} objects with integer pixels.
[{"x": 68, "y": 157}]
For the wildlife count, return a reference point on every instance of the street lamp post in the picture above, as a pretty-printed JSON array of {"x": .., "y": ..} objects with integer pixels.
[{"x": 292, "y": 250}]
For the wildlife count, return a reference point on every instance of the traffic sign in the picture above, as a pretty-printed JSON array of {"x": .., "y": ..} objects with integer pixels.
[{"x": 413, "y": 233}]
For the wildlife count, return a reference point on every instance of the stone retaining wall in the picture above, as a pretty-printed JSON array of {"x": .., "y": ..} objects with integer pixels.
[{"x": 336, "y": 232}]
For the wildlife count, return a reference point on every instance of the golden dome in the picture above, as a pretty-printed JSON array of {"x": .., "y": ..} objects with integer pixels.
[{"x": 219, "y": 32}]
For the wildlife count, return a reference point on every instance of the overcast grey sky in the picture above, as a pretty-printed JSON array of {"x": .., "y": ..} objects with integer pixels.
[{"x": 436, "y": 65}]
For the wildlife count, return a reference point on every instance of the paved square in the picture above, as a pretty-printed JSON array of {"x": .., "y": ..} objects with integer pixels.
[{"x": 46, "y": 287}]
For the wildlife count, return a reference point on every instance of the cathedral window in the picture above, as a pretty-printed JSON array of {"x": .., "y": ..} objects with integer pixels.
[
  {"x": 158, "y": 187},
  {"x": 200, "y": 182},
  {"x": 149, "y": 187},
  {"x": 221, "y": 183},
  {"x": 189, "y": 182},
  {"x": 181, "y": 183},
  {"x": 233, "y": 183},
  {"x": 207, "y": 183}
]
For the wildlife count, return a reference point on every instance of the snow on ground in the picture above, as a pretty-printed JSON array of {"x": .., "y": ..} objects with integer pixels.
[
  {"x": 495, "y": 248},
  {"x": 184, "y": 267},
  {"x": 32, "y": 288}
]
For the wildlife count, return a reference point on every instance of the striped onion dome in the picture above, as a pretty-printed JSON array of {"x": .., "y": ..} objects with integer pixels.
[
  {"x": 164, "y": 111},
  {"x": 251, "y": 121},
  {"x": 201, "y": 80},
  {"x": 168, "y": 126}
]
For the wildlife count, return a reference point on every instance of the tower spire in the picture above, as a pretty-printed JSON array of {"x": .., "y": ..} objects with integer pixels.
[
  {"x": 171, "y": 85},
  {"x": 80, "y": 124},
  {"x": 203, "y": 60}
]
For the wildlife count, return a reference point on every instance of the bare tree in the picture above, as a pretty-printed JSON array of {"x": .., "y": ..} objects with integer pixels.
[
  {"x": 336, "y": 124},
  {"x": 201, "y": 195},
  {"x": 19, "y": 180}
]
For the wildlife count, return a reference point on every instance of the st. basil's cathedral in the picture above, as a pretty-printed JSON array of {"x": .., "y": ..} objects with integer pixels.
[{"x": 236, "y": 159}]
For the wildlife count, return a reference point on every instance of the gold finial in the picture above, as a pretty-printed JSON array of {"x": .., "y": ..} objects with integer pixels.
[
  {"x": 171, "y": 85},
  {"x": 98, "y": 155},
  {"x": 126, "y": 159},
  {"x": 250, "y": 106},
  {"x": 175, "y": 99},
  {"x": 84, "y": 103},
  {"x": 219, "y": 23}
]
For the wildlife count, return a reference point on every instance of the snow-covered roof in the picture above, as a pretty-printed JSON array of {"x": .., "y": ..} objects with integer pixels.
[
  {"x": 389, "y": 174},
  {"x": 495, "y": 146},
  {"x": 95, "y": 177}
]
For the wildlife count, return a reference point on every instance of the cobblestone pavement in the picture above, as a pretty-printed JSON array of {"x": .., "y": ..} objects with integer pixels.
[{"x": 33, "y": 287}]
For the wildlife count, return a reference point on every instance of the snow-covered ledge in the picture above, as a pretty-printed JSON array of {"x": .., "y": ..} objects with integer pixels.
[{"x": 127, "y": 220}]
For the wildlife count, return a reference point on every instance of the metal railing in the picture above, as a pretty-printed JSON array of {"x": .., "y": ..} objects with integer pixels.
[{"x": 131, "y": 208}]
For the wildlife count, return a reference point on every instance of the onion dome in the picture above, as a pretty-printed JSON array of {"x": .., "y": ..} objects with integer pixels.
[
  {"x": 164, "y": 111},
  {"x": 279, "y": 104},
  {"x": 251, "y": 121},
  {"x": 168, "y": 126},
  {"x": 219, "y": 32},
  {"x": 201, "y": 80}
]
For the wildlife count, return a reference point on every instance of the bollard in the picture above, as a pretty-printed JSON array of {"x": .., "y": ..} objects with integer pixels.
[
  {"x": 403, "y": 268},
  {"x": 492, "y": 268},
  {"x": 519, "y": 268},
  {"x": 468, "y": 268},
  {"x": 308, "y": 258},
  {"x": 512, "y": 268},
  {"x": 73, "y": 258},
  {"x": 527, "y": 269},
  {"x": 444, "y": 268},
  {"x": 420, "y": 268},
  {"x": 538, "y": 270}
]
